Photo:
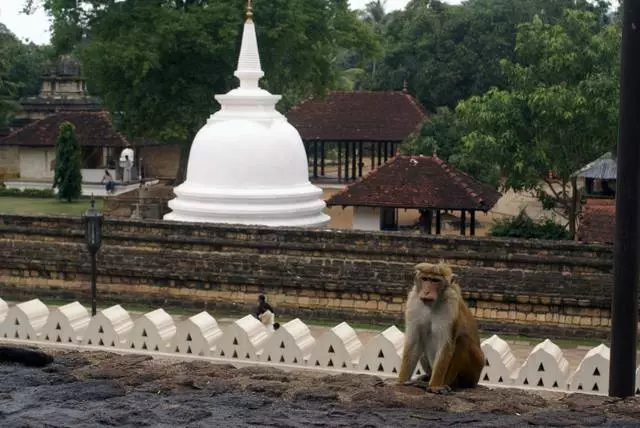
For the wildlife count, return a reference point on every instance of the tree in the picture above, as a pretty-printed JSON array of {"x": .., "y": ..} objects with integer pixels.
[
  {"x": 448, "y": 53},
  {"x": 560, "y": 110},
  {"x": 158, "y": 77},
  {"x": 68, "y": 174}
]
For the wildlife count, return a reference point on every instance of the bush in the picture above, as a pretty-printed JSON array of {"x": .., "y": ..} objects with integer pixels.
[
  {"x": 27, "y": 193},
  {"x": 522, "y": 226}
]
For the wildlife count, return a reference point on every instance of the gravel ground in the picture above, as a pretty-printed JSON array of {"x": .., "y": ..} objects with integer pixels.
[{"x": 96, "y": 389}]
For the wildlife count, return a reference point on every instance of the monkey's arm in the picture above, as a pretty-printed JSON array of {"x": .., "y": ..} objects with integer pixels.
[
  {"x": 441, "y": 366},
  {"x": 410, "y": 355}
]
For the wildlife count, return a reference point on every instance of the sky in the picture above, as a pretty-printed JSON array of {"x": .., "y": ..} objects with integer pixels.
[{"x": 35, "y": 27}]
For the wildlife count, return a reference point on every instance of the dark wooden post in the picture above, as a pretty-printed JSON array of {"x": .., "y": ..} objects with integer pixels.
[
  {"x": 372, "y": 147},
  {"x": 438, "y": 222},
  {"x": 322, "y": 156},
  {"x": 379, "y": 144},
  {"x": 346, "y": 161},
  {"x": 429, "y": 218},
  {"x": 463, "y": 222},
  {"x": 360, "y": 163},
  {"x": 472, "y": 223},
  {"x": 626, "y": 267},
  {"x": 353, "y": 160},
  {"x": 386, "y": 151},
  {"x": 339, "y": 144}
]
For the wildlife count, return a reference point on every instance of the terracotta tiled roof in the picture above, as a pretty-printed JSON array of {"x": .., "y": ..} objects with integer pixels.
[
  {"x": 598, "y": 221},
  {"x": 92, "y": 129},
  {"x": 418, "y": 182},
  {"x": 358, "y": 116}
]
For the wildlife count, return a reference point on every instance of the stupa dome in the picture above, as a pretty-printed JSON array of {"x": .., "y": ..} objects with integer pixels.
[{"x": 248, "y": 164}]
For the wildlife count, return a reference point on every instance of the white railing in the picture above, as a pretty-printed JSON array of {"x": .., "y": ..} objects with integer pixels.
[{"x": 248, "y": 341}]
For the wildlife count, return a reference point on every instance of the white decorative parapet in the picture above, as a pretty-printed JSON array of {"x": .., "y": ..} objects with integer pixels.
[
  {"x": 592, "y": 375},
  {"x": 4, "y": 308},
  {"x": 197, "y": 335},
  {"x": 25, "y": 320},
  {"x": 546, "y": 367},
  {"x": 499, "y": 363},
  {"x": 383, "y": 353},
  {"x": 66, "y": 324},
  {"x": 110, "y": 327},
  {"x": 153, "y": 331},
  {"x": 338, "y": 348},
  {"x": 243, "y": 339},
  {"x": 292, "y": 346}
]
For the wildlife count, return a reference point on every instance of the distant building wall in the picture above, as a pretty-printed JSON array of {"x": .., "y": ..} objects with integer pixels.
[
  {"x": 366, "y": 218},
  {"x": 9, "y": 162},
  {"x": 160, "y": 161}
]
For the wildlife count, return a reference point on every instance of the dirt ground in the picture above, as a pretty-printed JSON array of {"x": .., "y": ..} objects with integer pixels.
[{"x": 97, "y": 389}]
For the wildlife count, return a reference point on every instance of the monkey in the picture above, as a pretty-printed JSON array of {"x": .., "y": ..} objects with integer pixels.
[{"x": 441, "y": 332}]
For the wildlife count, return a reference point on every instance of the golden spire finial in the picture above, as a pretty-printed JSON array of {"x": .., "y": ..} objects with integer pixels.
[{"x": 249, "y": 11}]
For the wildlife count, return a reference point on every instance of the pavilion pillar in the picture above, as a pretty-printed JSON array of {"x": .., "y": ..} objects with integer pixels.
[
  {"x": 373, "y": 156},
  {"x": 429, "y": 221},
  {"x": 346, "y": 161},
  {"x": 438, "y": 222},
  {"x": 339, "y": 144},
  {"x": 322, "y": 155},
  {"x": 379, "y": 144},
  {"x": 386, "y": 151},
  {"x": 353, "y": 160},
  {"x": 315, "y": 159},
  {"x": 463, "y": 222},
  {"x": 360, "y": 163},
  {"x": 472, "y": 225}
]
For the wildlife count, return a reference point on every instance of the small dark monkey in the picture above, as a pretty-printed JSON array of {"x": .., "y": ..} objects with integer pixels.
[{"x": 441, "y": 332}]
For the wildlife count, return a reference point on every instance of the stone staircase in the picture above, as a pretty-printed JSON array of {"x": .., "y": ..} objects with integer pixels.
[{"x": 146, "y": 202}]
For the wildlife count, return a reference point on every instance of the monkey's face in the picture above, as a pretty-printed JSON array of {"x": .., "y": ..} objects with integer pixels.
[{"x": 430, "y": 287}]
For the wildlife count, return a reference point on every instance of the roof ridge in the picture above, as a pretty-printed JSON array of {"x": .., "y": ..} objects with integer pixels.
[
  {"x": 371, "y": 173},
  {"x": 458, "y": 179}
]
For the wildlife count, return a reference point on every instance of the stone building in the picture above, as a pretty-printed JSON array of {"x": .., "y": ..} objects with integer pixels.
[{"x": 424, "y": 183}]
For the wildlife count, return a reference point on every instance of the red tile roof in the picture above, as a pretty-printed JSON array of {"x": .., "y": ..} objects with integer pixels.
[
  {"x": 92, "y": 129},
  {"x": 358, "y": 116},
  {"x": 598, "y": 221},
  {"x": 418, "y": 182}
]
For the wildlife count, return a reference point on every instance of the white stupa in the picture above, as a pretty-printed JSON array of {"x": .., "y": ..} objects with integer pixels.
[{"x": 248, "y": 164}]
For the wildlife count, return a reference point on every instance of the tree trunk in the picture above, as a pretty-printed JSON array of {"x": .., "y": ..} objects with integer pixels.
[{"x": 573, "y": 208}]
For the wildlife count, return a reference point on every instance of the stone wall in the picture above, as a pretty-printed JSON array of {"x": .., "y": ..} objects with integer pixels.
[
  {"x": 161, "y": 161},
  {"x": 9, "y": 162},
  {"x": 556, "y": 288}
]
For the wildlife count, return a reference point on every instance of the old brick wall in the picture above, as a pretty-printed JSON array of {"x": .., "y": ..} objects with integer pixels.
[
  {"x": 161, "y": 161},
  {"x": 560, "y": 288},
  {"x": 9, "y": 162}
]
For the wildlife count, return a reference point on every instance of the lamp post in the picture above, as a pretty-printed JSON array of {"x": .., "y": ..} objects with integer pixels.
[{"x": 93, "y": 234}]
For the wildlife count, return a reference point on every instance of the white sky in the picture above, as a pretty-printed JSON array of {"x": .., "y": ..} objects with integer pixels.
[{"x": 35, "y": 27}]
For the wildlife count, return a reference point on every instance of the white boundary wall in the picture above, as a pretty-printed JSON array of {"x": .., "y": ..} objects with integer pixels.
[{"x": 247, "y": 342}]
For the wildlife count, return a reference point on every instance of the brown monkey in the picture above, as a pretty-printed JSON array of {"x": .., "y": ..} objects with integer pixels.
[{"x": 441, "y": 332}]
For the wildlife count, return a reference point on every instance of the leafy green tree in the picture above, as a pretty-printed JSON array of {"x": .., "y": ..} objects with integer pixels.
[
  {"x": 448, "y": 53},
  {"x": 68, "y": 174},
  {"x": 158, "y": 77},
  {"x": 560, "y": 110},
  {"x": 9, "y": 45}
]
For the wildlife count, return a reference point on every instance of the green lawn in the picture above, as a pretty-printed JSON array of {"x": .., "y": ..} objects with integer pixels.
[{"x": 24, "y": 205}]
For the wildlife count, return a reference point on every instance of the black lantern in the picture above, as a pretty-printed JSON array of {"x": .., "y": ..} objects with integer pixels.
[{"x": 93, "y": 235}]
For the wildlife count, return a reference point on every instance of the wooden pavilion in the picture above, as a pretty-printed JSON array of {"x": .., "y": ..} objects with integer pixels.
[
  {"x": 424, "y": 183},
  {"x": 353, "y": 126}
]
